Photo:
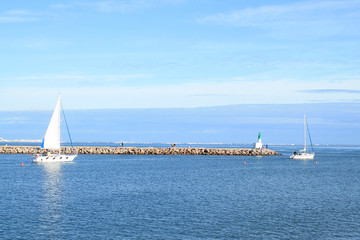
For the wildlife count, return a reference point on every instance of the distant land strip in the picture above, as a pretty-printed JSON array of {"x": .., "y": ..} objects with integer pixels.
[{"x": 141, "y": 151}]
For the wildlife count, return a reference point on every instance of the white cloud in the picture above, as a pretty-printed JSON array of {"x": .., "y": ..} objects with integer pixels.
[
  {"x": 16, "y": 16},
  {"x": 65, "y": 80},
  {"x": 180, "y": 95},
  {"x": 123, "y": 6},
  {"x": 119, "y": 6},
  {"x": 273, "y": 14},
  {"x": 316, "y": 17},
  {"x": 12, "y": 120}
]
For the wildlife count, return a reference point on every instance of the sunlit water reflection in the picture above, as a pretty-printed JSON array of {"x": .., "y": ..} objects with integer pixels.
[{"x": 53, "y": 203}]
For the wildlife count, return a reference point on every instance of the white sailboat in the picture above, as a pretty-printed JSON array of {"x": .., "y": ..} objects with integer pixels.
[
  {"x": 303, "y": 154},
  {"x": 51, "y": 140}
]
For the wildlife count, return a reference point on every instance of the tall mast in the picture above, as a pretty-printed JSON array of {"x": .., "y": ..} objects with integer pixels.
[
  {"x": 304, "y": 133},
  {"x": 59, "y": 123}
]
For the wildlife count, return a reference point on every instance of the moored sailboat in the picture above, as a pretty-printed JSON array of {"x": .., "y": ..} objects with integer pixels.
[
  {"x": 51, "y": 140},
  {"x": 303, "y": 154}
]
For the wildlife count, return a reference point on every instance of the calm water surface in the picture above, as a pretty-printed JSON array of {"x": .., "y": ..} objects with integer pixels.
[{"x": 183, "y": 197}]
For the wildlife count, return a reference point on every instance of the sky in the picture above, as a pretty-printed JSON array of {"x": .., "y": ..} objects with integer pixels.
[
  {"x": 329, "y": 123},
  {"x": 177, "y": 53},
  {"x": 181, "y": 54}
]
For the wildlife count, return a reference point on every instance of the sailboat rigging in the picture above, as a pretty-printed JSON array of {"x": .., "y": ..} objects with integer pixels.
[
  {"x": 51, "y": 139},
  {"x": 303, "y": 154}
]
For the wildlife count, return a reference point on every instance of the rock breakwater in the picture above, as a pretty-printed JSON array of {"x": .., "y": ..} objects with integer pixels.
[{"x": 141, "y": 151}]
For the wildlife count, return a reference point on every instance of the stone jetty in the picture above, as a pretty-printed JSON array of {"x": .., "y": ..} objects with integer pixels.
[{"x": 141, "y": 151}]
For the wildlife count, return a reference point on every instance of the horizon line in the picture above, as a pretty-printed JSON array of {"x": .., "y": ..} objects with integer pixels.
[{"x": 169, "y": 143}]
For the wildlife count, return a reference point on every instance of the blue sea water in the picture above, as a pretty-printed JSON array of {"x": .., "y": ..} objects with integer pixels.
[{"x": 183, "y": 197}]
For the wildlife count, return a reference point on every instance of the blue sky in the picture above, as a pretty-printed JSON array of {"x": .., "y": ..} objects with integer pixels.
[
  {"x": 329, "y": 123},
  {"x": 177, "y": 53},
  {"x": 202, "y": 56}
]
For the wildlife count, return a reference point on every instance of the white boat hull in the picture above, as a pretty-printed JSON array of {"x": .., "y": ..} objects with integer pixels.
[
  {"x": 304, "y": 156},
  {"x": 53, "y": 158}
]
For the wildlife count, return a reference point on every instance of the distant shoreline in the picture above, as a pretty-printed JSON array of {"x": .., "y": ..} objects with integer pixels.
[
  {"x": 20, "y": 140},
  {"x": 168, "y": 143}
]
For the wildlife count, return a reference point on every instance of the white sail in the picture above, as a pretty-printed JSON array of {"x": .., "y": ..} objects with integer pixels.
[
  {"x": 52, "y": 135},
  {"x": 52, "y": 141}
]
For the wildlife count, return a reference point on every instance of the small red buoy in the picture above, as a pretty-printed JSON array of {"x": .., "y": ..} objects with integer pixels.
[
  {"x": 315, "y": 162},
  {"x": 22, "y": 164},
  {"x": 244, "y": 163}
]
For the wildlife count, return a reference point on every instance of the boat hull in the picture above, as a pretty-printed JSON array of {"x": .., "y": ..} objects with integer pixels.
[
  {"x": 53, "y": 158},
  {"x": 303, "y": 156}
]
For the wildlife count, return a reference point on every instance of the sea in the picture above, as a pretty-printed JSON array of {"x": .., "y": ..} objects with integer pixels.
[{"x": 183, "y": 197}]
